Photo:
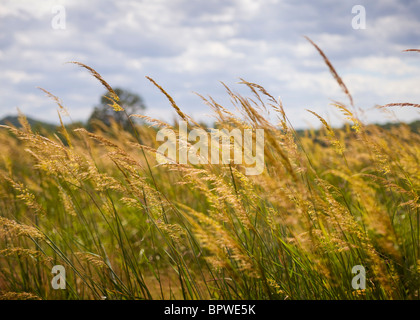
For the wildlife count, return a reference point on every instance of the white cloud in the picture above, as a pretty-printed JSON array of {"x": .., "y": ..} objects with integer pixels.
[
  {"x": 16, "y": 77},
  {"x": 192, "y": 45},
  {"x": 386, "y": 65},
  {"x": 393, "y": 26},
  {"x": 385, "y": 90}
]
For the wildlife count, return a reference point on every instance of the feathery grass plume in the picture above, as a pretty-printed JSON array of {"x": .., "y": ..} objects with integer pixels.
[
  {"x": 102, "y": 140},
  {"x": 218, "y": 240},
  {"x": 183, "y": 116},
  {"x": 117, "y": 155},
  {"x": 402, "y": 104},
  {"x": 255, "y": 120},
  {"x": 155, "y": 122},
  {"x": 377, "y": 147},
  {"x": 13, "y": 228},
  {"x": 254, "y": 87},
  {"x": 349, "y": 227},
  {"x": 28, "y": 253},
  {"x": 331, "y": 134},
  {"x": 24, "y": 122},
  {"x": 174, "y": 231},
  {"x": 18, "y": 296},
  {"x": 156, "y": 152},
  {"x": 25, "y": 195},
  {"x": 332, "y": 70},
  {"x": 171, "y": 100},
  {"x": 217, "y": 108},
  {"x": 411, "y": 50},
  {"x": 374, "y": 219},
  {"x": 114, "y": 99},
  {"x": 92, "y": 258},
  {"x": 57, "y": 100},
  {"x": 64, "y": 131},
  {"x": 349, "y": 115},
  {"x": 67, "y": 202}
]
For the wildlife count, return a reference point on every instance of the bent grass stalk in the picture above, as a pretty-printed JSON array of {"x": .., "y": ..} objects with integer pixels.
[{"x": 125, "y": 227}]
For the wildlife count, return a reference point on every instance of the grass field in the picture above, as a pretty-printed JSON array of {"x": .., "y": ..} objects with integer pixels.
[{"x": 125, "y": 227}]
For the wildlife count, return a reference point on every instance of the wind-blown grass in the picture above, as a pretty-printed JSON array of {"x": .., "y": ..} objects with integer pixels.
[{"x": 125, "y": 227}]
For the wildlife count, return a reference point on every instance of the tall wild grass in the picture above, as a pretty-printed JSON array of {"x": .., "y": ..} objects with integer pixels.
[{"x": 125, "y": 227}]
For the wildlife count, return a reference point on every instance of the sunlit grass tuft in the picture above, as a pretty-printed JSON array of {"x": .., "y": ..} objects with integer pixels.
[{"x": 126, "y": 227}]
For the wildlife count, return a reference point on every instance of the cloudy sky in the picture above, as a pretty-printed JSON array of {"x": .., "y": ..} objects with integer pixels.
[{"x": 190, "y": 46}]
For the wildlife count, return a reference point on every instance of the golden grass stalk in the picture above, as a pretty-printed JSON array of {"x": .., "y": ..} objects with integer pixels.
[
  {"x": 401, "y": 104},
  {"x": 114, "y": 99},
  {"x": 411, "y": 50},
  {"x": 57, "y": 100},
  {"x": 332, "y": 70}
]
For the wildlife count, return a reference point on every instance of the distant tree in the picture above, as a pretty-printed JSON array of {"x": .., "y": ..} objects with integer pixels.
[{"x": 131, "y": 102}]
